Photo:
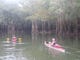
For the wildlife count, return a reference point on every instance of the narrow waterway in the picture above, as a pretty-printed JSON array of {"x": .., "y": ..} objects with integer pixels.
[{"x": 33, "y": 48}]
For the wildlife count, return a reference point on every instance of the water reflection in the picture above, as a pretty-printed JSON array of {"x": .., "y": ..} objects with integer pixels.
[
  {"x": 50, "y": 54},
  {"x": 34, "y": 49},
  {"x": 11, "y": 52}
]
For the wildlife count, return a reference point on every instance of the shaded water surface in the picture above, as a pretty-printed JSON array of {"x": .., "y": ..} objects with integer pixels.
[{"x": 32, "y": 48}]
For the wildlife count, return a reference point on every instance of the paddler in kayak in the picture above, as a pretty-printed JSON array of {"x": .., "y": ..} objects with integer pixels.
[
  {"x": 53, "y": 42},
  {"x": 14, "y": 39}
]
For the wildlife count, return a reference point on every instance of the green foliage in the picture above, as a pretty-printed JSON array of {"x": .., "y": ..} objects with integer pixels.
[{"x": 44, "y": 10}]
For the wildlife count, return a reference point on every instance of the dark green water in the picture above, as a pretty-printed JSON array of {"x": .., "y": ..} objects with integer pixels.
[{"x": 32, "y": 48}]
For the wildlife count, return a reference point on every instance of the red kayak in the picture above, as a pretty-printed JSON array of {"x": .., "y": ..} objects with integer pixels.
[{"x": 56, "y": 47}]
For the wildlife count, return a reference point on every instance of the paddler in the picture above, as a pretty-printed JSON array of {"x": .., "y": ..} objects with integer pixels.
[
  {"x": 53, "y": 41},
  {"x": 14, "y": 39}
]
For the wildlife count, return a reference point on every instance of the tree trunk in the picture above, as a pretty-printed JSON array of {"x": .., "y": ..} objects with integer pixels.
[
  {"x": 49, "y": 32},
  {"x": 34, "y": 32},
  {"x": 43, "y": 30}
]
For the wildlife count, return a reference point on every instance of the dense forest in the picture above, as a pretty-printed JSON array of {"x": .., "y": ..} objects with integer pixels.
[{"x": 60, "y": 17}]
